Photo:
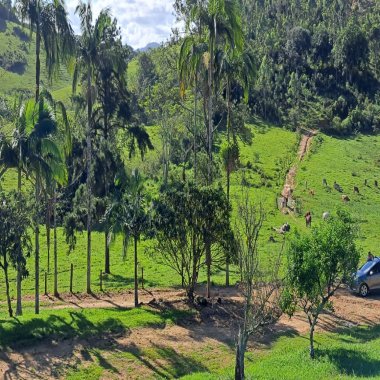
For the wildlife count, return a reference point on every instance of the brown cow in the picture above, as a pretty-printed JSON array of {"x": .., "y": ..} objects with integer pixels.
[{"x": 345, "y": 198}]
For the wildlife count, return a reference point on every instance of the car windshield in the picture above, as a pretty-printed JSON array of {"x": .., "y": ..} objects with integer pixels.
[{"x": 367, "y": 265}]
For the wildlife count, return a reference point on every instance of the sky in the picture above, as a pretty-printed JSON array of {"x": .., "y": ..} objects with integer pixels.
[{"x": 141, "y": 21}]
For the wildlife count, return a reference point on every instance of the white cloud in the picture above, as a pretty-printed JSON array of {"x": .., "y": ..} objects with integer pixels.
[{"x": 141, "y": 21}]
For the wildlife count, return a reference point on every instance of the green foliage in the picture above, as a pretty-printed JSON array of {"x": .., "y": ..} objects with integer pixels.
[{"x": 317, "y": 264}]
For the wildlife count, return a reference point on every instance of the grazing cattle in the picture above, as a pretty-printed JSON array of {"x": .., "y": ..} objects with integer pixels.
[
  {"x": 312, "y": 192},
  {"x": 324, "y": 182},
  {"x": 365, "y": 182},
  {"x": 337, "y": 187},
  {"x": 345, "y": 198},
  {"x": 376, "y": 184},
  {"x": 356, "y": 190},
  {"x": 325, "y": 215},
  {"x": 308, "y": 219}
]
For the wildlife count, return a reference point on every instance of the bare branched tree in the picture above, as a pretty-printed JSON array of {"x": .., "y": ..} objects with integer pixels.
[{"x": 260, "y": 279}]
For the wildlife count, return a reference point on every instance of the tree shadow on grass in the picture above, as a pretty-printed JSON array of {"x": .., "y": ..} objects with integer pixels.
[
  {"x": 46, "y": 345},
  {"x": 119, "y": 281},
  {"x": 352, "y": 362},
  {"x": 164, "y": 362}
]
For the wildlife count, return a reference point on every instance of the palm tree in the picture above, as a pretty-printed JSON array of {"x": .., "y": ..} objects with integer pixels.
[
  {"x": 48, "y": 19},
  {"x": 219, "y": 25},
  {"x": 91, "y": 49},
  {"x": 128, "y": 217},
  {"x": 44, "y": 160},
  {"x": 238, "y": 69},
  {"x": 190, "y": 64}
]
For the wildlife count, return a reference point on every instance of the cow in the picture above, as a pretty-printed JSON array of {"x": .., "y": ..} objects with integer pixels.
[
  {"x": 324, "y": 182},
  {"x": 325, "y": 215},
  {"x": 345, "y": 198},
  {"x": 356, "y": 190},
  {"x": 337, "y": 187}
]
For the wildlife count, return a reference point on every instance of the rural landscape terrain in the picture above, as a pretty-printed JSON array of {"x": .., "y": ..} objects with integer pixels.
[{"x": 199, "y": 208}]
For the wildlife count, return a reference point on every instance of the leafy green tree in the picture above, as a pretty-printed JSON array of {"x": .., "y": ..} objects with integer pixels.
[
  {"x": 15, "y": 243},
  {"x": 48, "y": 19},
  {"x": 351, "y": 51},
  {"x": 147, "y": 75},
  {"x": 199, "y": 232},
  {"x": 317, "y": 265}
]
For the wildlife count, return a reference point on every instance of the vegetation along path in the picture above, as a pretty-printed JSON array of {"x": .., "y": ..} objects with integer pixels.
[{"x": 304, "y": 146}]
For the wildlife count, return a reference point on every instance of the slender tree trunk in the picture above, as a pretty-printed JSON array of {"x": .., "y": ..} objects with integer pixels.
[
  {"x": 195, "y": 129},
  {"x": 240, "y": 354},
  {"x": 228, "y": 173},
  {"x": 136, "y": 274},
  {"x": 48, "y": 230},
  {"x": 56, "y": 294},
  {"x": 311, "y": 337},
  {"x": 5, "y": 268},
  {"x": 210, "y": 113},
  {"x": 106, "y": 254},
  {"x": 107, "y": 267},
  {"x": 89, "y": 182},
  {"x": 19, "y": 267},
  {"x": 208, "y": 265},
  {"x": 38, "y": 63},
  {"x": 37, "y": 250}
]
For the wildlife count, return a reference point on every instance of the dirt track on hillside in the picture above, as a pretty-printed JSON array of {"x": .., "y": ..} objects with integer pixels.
[{"x": 214, "y": 326}]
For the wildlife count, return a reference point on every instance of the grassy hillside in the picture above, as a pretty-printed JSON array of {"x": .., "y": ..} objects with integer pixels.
[
  {"x": 349, "y": 162},
  {"x": 17, "y": 58}
]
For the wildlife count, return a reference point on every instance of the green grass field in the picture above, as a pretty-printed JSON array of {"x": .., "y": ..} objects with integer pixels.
[
  {"x": 349, "y": 354},
  {"x": 348, "y": 162},
  {"x": 23, "y": 79}
]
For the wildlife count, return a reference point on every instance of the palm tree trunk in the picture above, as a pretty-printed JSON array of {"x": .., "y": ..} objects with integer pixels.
[
  {"x": 48, "y": 230},
  {"x": 106, "y": 254},
  {"x": 38, "y": 63},
  {"x": 37, "y": 249},
  {"x": 195, "y": 129},
  {"x": 56, "y": 294},
  {"x": 107, "y": 268},
  {"x": 19, "y": 268},
  {"x": 228, "y": 172},
  {"x": 210, "y": 115},
  {"x": 136, "y": 274},
  {"x": 88, "y": 182}
]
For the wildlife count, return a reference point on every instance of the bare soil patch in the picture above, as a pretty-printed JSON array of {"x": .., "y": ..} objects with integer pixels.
[{"x": 153, "y": 352}]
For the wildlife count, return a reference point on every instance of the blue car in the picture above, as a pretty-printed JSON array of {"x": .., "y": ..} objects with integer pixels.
[{"x": 367, "y": 278}]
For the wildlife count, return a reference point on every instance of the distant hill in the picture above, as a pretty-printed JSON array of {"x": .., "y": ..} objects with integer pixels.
[
  {"x": 150, "y": 46},
  {"x": 17, "y": 60}
]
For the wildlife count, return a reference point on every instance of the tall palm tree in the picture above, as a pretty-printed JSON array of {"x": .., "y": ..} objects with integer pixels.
[
  {"x": 48, "y": 19},
  {"x": 190, "y": 65},
  {"x": 90, "y": 50},
  {"x": 44, "y": 160},
  {"x": 219, "y": 24},
  {"x": 234, "y": 69},
  {"x": 128, "y": 217}
]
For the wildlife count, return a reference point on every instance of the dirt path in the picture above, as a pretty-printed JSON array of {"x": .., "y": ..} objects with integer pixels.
[
  {"x": 304, "y": 146},
  {"x": 154, "y": 352}
]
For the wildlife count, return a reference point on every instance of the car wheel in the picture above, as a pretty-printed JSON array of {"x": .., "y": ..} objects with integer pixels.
[{"x": 363, "y": 290}]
